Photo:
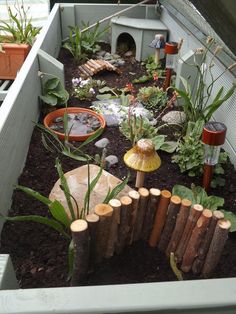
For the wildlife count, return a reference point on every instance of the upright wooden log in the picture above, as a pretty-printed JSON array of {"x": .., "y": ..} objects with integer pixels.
[
  {"x": 92, "y": 220},
  {"x": 113, "y": 235},
  {"x": 217, "y": 245},
  {"x": 154, "y": 196},
  {"x": 194, "y": 214},
  {"x": 142, "y": 208},
  {"x": 135, "y": 196},
  {"x": 80, "y": 236},
  {"x": 124, "y": 226},
  {"x": 204, "y": 246},
  {"x": 173, "y": 210},
  {"x": 197, "y": 236},
  {"x": 104, "y": 211},
  {"x": 160, "y": 218},
  {"x": 179, "y": 226}
]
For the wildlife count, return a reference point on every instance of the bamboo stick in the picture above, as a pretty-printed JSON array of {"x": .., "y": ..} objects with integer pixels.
[
  {"x": 82, "y": 71},
  {"x": 86, "y": 70},
  {"x": 80, "y": 236},
  {"x": 89, "y": 68},
  {"x": 113, "y": 235},
  {"x": 194, "y": 214},
  {"x": 123, "y": 229},
  {"x": 160, "y": 218},
  {"x": 154, "y": 196},
  {"x": 217, "y": 245},
  {"x": 135, "y": 196},
  {"x": 95, "y": 64},
  {"x": 204, "y": 247},
  {"x": 92, "y": 220},
  {"x": 197, "y": 235},
  {"x": 142, "y": 208},
  {"x": 173, "y": 210},
  {"x": 104, "y": 212},
  {"x": 179, "y": 226},
  {"x": 93, "y": 67}
]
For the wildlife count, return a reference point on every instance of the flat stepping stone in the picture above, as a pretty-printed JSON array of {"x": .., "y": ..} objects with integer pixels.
[{"x": 77, "y": 180}]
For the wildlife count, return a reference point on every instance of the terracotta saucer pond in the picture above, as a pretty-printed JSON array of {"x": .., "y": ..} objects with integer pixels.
[{"x": 82, "y": 123}]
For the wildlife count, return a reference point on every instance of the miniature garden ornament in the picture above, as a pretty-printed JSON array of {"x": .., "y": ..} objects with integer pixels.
[
  {"x": 158, "y": 43},
  {"x": 171, "y": 51},
  {"x": 143, "y": 158},
  {"x": 213, "y": 137}
]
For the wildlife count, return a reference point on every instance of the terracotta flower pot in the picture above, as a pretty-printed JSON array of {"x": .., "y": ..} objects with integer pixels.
[
  {"x": 12, "y": 57},
  {"x": 50, "y": 118}
]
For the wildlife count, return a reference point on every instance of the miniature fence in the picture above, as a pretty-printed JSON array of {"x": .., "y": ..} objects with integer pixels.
[{"x": 196, "y": 236}]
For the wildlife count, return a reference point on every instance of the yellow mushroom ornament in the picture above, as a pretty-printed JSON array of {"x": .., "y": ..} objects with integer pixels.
[{"x": 143, "y": 158}]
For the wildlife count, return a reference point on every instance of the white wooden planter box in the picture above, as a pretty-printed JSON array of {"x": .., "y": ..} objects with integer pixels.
[{"x": 19, "y": 108}]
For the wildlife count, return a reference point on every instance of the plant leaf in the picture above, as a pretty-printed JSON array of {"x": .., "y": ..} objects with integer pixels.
[
  {"x": 183, "y": 192},
  {"x": 232, "y": 217},
  {"x": 117, "y": 189},
  {"x": 59, "y": 213},
  {"x": 34, "y": 194},
  {"x": 40, "y": 219}
]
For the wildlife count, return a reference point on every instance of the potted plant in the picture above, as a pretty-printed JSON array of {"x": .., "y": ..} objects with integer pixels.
[{"x": 16, "y": 38}]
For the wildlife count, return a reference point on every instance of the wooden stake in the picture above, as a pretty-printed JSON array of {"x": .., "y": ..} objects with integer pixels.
[
  {"x": 142, "y": 208},
  {"x": 123, "y": 229},
  {"x": 194, "y": 214},
  {"x": 204, "y": 247},
  {"x": 113, "y": 235},
  {"x": 104, "y": 212},
  {"x": 217, "y": 245},
  {"x": 134, "y": 195},
  {"x": 173, "y": 210},
  {"x": 160, "y": 218},
  {"x": 179, "y": 226},
  {"x": 197, "y": 235},
  {"x": 154, "y": 196},
  {"x": 80, "y": 236},
  {"x": 92, "y": 220}
]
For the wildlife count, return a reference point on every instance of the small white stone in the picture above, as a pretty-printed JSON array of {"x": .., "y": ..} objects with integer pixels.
[
  {"x": 111, "y": 160},
  {"x": 102, "y": 143},
  {"x": 178, "y": 117}
]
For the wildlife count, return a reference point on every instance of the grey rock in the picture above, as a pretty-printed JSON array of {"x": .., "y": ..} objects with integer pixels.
[
  {"x": 102, "y": 143},
  {"x": 174, "y": 116},
  {"x": 120, "y": 62},
  {"x": 101, "y": 53},
  {"x": 116, "y": 56},
  {"x": 128, "y": 54},
  {"x": 58, "y": 120},
  {"x": 111, "y": 160},
  {"x": 111, "y": 120}
]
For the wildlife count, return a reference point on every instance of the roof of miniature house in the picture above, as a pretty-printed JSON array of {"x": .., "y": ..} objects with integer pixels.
[{"x": 212, "y": 17}]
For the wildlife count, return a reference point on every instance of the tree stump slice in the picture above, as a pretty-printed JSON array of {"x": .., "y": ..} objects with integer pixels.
[
  {"x": 216, "y": 247},
  {"x": 104, "y": 212},
  {"x": 195, "y": 240},
  {"x": 113, "y": 235},
  {"x": 135, "y": 196},
  {"x": 160, "y": 218},
  {"x": 173, "y": 210},
  {"x": 204, "y": 247},
  {"x": 92, "y": 220},
  {"x": 80, "y": 236},
  {"x": 124, "y": 226},
  {"x": 142, "y": 208},
  {"x": 179, "y": 226},
  {"x": 154, "y": 196},
  {"x": 194, "y": 214}
]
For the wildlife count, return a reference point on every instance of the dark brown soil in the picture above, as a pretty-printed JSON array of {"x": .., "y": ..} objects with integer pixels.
[{"x": 39, "y": 254}]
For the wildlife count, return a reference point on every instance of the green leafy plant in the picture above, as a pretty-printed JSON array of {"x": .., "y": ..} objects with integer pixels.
[
  {"x": 152, "y": 97},
  {"x": 135, "y": 128},
  {"x": 190, "y": 153},
  {"x": 19, "y": 28},
  {"x": 83, "y": 43},
  {"x": 198, "y": 195},
  {"x": 196, "y": 100},
  {"x": 53, "y": 92},
  {"x": 84, "y": 89}
]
